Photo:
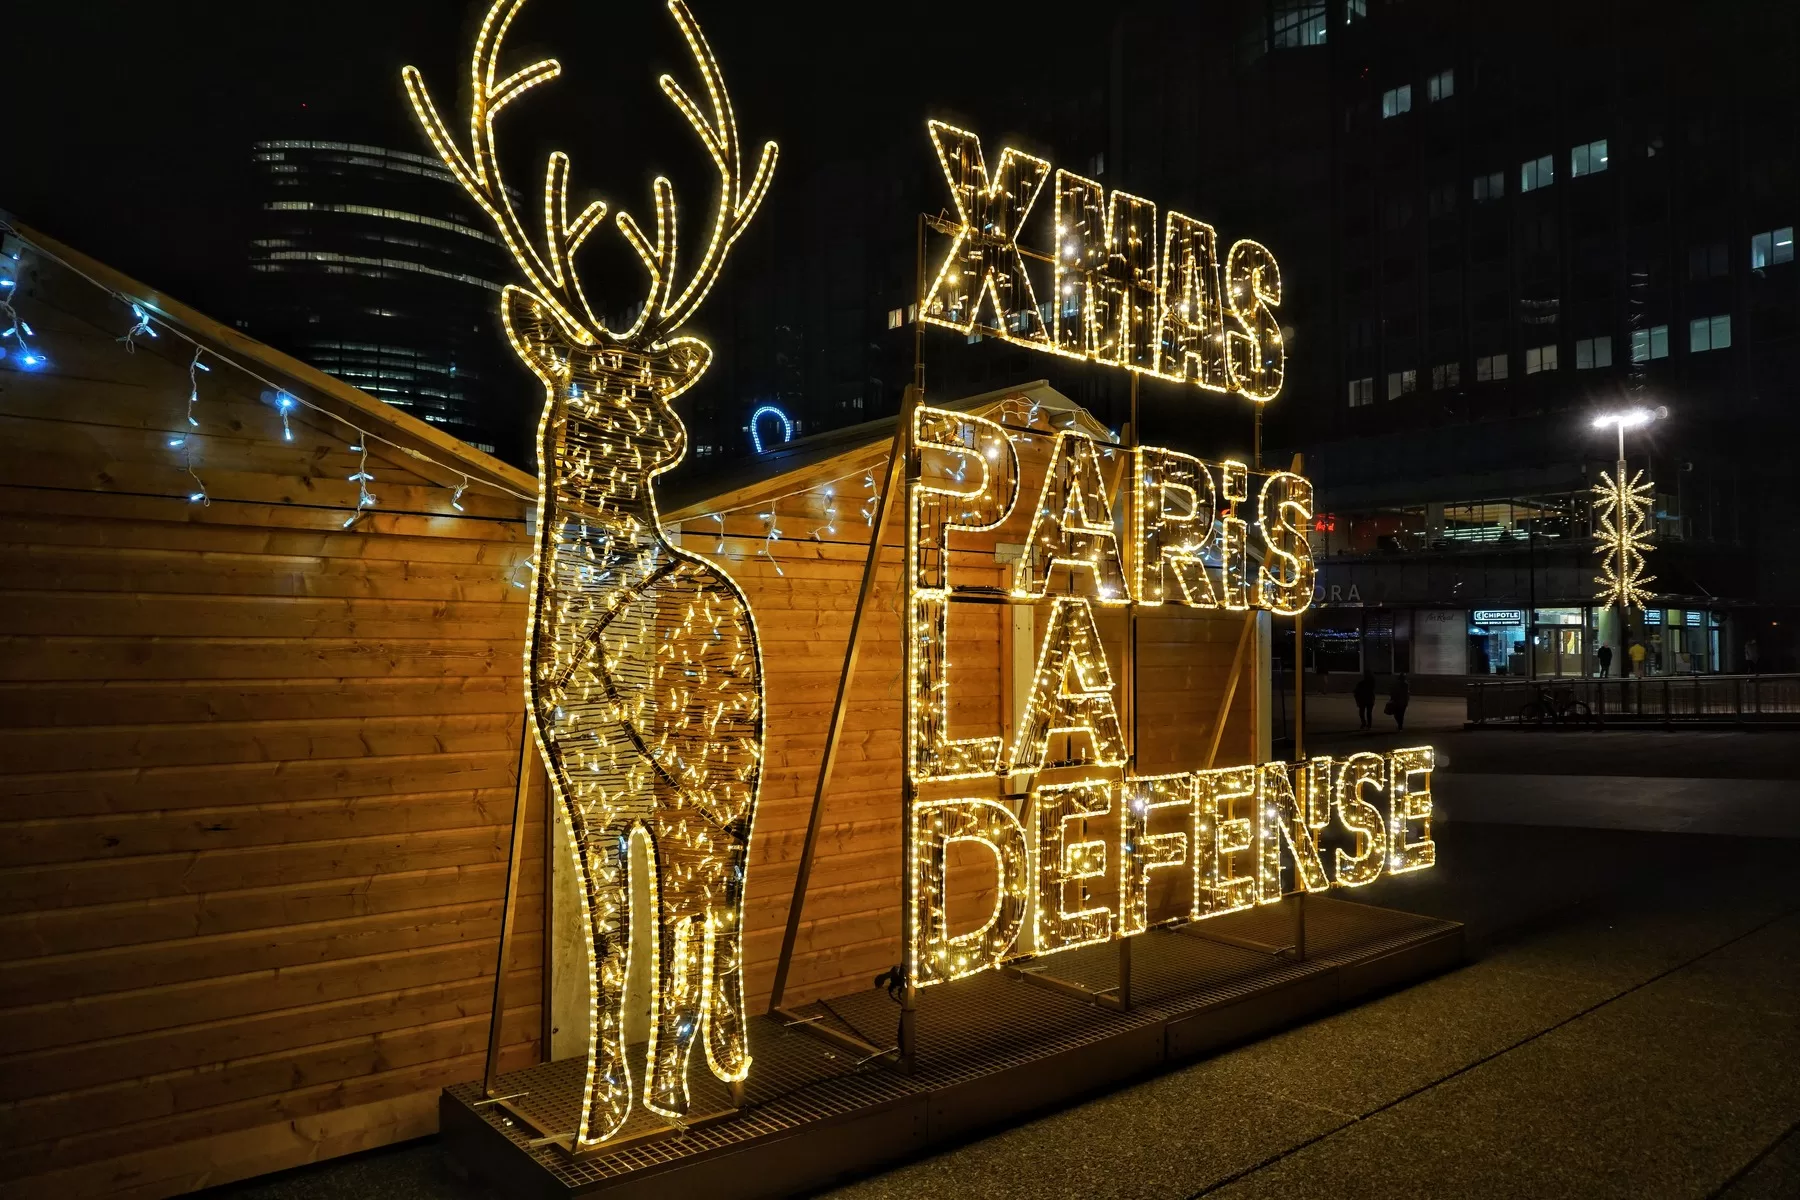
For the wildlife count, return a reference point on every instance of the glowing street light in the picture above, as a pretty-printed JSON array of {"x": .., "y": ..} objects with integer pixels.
[
  {"x": 1623, "y": 506},
  {"x": 1629, "y": 418}
]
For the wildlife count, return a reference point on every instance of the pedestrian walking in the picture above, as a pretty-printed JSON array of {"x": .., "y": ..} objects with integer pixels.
[
  {"x": 1397, "y": 700},
  {"x": 1364, "y": 692},
  {"x": 1752, "y": 655},
  {"x": 1638, "y": 654},
  {"x": 1604, "y": 655}
]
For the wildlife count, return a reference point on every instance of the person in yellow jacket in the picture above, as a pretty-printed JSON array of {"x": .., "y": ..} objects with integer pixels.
[{"x": 1637, "y": 653}]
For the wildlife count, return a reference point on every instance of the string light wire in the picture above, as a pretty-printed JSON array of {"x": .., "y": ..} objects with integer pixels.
[{"x": 18, "y": 329}]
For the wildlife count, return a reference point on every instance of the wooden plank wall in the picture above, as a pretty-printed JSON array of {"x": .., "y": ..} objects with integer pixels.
[
  {"x": 803, "y": 587},
  {"x": 256, "y": 777}
]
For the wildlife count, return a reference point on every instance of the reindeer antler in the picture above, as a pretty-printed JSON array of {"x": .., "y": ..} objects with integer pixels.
[
  {"x": 736, "y": 206},
  {"x": 552, "y": 274}
]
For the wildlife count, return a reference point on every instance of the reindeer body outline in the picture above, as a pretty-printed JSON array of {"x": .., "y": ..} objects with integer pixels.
[{"x": 643, "y": 666}]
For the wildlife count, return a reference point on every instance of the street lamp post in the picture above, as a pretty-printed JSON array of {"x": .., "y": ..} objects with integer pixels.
[{"x": 1624, "y": 505}]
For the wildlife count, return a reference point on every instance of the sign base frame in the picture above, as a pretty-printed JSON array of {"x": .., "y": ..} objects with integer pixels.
[{"x": 999, "y": 1052}]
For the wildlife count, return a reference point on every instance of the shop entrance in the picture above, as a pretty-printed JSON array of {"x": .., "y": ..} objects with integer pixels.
[
  {"x": 1559, "y": 642},
  {"x": 1497, "y": 641}
]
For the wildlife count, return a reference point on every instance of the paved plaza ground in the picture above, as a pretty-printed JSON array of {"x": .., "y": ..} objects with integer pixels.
[{"x": 1628, "y": 1023}]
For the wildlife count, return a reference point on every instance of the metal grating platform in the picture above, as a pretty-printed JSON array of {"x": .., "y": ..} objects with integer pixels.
[{"x": 991, "y": 1050}]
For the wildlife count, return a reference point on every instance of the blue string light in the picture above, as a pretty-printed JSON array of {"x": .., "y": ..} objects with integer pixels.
[
  {"x": 287, "y": 404},
  {"x": 769, "y": 410},
  {"x": 142, "y": 325},
  {"x": 18, "y": 329},
  {"x": 194, "y": 387}
]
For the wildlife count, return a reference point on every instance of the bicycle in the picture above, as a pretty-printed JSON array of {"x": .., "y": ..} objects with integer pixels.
[{"x": 1561, "y": 708}]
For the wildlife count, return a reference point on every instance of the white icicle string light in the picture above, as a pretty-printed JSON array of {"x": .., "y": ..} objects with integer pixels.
[
  {"x": 830, "y": 525},
  {"x": 198, "y": 496},
  {"x": 141, "y": 326},
  {"x": 365, "y": 499},
  {"x": 285, "y": 403},
  {"x": 771, "y": 537},
  {"x": 13, "y": 328}
]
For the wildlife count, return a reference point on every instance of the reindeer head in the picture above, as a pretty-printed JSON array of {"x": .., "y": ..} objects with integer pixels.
[{"x": 629, "y": 376}]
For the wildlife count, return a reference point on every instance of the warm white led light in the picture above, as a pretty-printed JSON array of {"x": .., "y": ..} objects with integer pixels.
[
  {"x": 643, "y": 673},
  {"x": 1623, "y": 537},
  {"x": 937, "y": 825},
  {"x": 1181, "y": 315}
]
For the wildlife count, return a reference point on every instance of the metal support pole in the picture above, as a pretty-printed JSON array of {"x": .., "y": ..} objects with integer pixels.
[
  {"x": 521, "y": 791},
  {"x": 1132, "y": 440},
  {"x": 1231, "y": 682},
  {"x": 841, "y": 706},
  {"x": 909, "y": 792},
  {"x": 1299, "y": 468},
  {"x": 907, "y": 1038}
]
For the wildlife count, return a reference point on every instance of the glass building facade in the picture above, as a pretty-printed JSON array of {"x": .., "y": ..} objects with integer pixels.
[{"x": 366, "y": 263}]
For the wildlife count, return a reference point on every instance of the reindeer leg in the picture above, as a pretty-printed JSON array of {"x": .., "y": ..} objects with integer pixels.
[
  {"x": 727, "y": 1042},
  {"x": 606, "y": 1097},
  {"x": 680, "y": 955}
]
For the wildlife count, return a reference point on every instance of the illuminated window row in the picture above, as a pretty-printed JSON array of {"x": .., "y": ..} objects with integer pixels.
[
  {"x": 393, "y": 264},
  {"x": 352, "y": 147},
  {"x": 391, "y": 214}
]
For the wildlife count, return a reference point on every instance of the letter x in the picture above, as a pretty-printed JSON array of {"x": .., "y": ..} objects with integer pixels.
[{"x": 984, "y": 256}]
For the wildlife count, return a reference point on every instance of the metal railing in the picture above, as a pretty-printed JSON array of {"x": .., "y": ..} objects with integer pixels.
[{"x": 1562, "y": 700}]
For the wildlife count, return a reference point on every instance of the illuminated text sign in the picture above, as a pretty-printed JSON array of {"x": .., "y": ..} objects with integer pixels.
[{"x": 1116, "y": 288}]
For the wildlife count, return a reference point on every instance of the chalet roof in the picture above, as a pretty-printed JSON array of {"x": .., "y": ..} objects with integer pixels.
[
  {"x": 839, "y": 452},
  {"x": 331, "y": 395}
]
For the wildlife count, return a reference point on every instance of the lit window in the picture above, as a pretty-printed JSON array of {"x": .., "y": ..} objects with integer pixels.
[
  {"x": 1709, "y": 333},
  {"x": 896, "y": 317},
  {"x": 1775, "y": 246},
  {"x": 1395, "y": 101},
  {"x": 1540, "y": 358},
  {"x": 1490, "y": 367},
  {"x": 1535, "y": 173},
  {"x": 1441, "y": 86},
  {"x": 1446, "y": 375},
  {"x": 1588, "y": 159},
  {"x": 1362, "y": 391},
  {"x": 1593, "y": 352},
  {"x": 1650, "y": 343},
  {"x": 1401, "y": 382},
  {"x": 1355, "y": 10},
  {"x": 1097, "y": 165},
  {"x": 1300, "y": 24},
  {"x": 1490, "y": 187}
]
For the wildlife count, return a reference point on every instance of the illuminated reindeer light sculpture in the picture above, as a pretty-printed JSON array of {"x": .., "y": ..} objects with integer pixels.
[{"x": 643, "y": 675}]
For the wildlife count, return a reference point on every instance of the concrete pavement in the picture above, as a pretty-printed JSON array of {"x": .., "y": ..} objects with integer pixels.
[{"x": 1629, "y": 1024}]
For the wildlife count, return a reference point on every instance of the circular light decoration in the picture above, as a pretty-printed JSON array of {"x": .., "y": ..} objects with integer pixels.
[{"x": 769, "y": 410}]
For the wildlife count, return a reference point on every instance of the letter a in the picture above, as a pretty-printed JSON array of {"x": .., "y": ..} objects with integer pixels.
[
  {"x": 1073, "y": 526},
  {"x": 1072, "y": 692}
]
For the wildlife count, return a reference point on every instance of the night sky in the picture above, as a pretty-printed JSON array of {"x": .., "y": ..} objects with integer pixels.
[{"x": 131, "y": 123}]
